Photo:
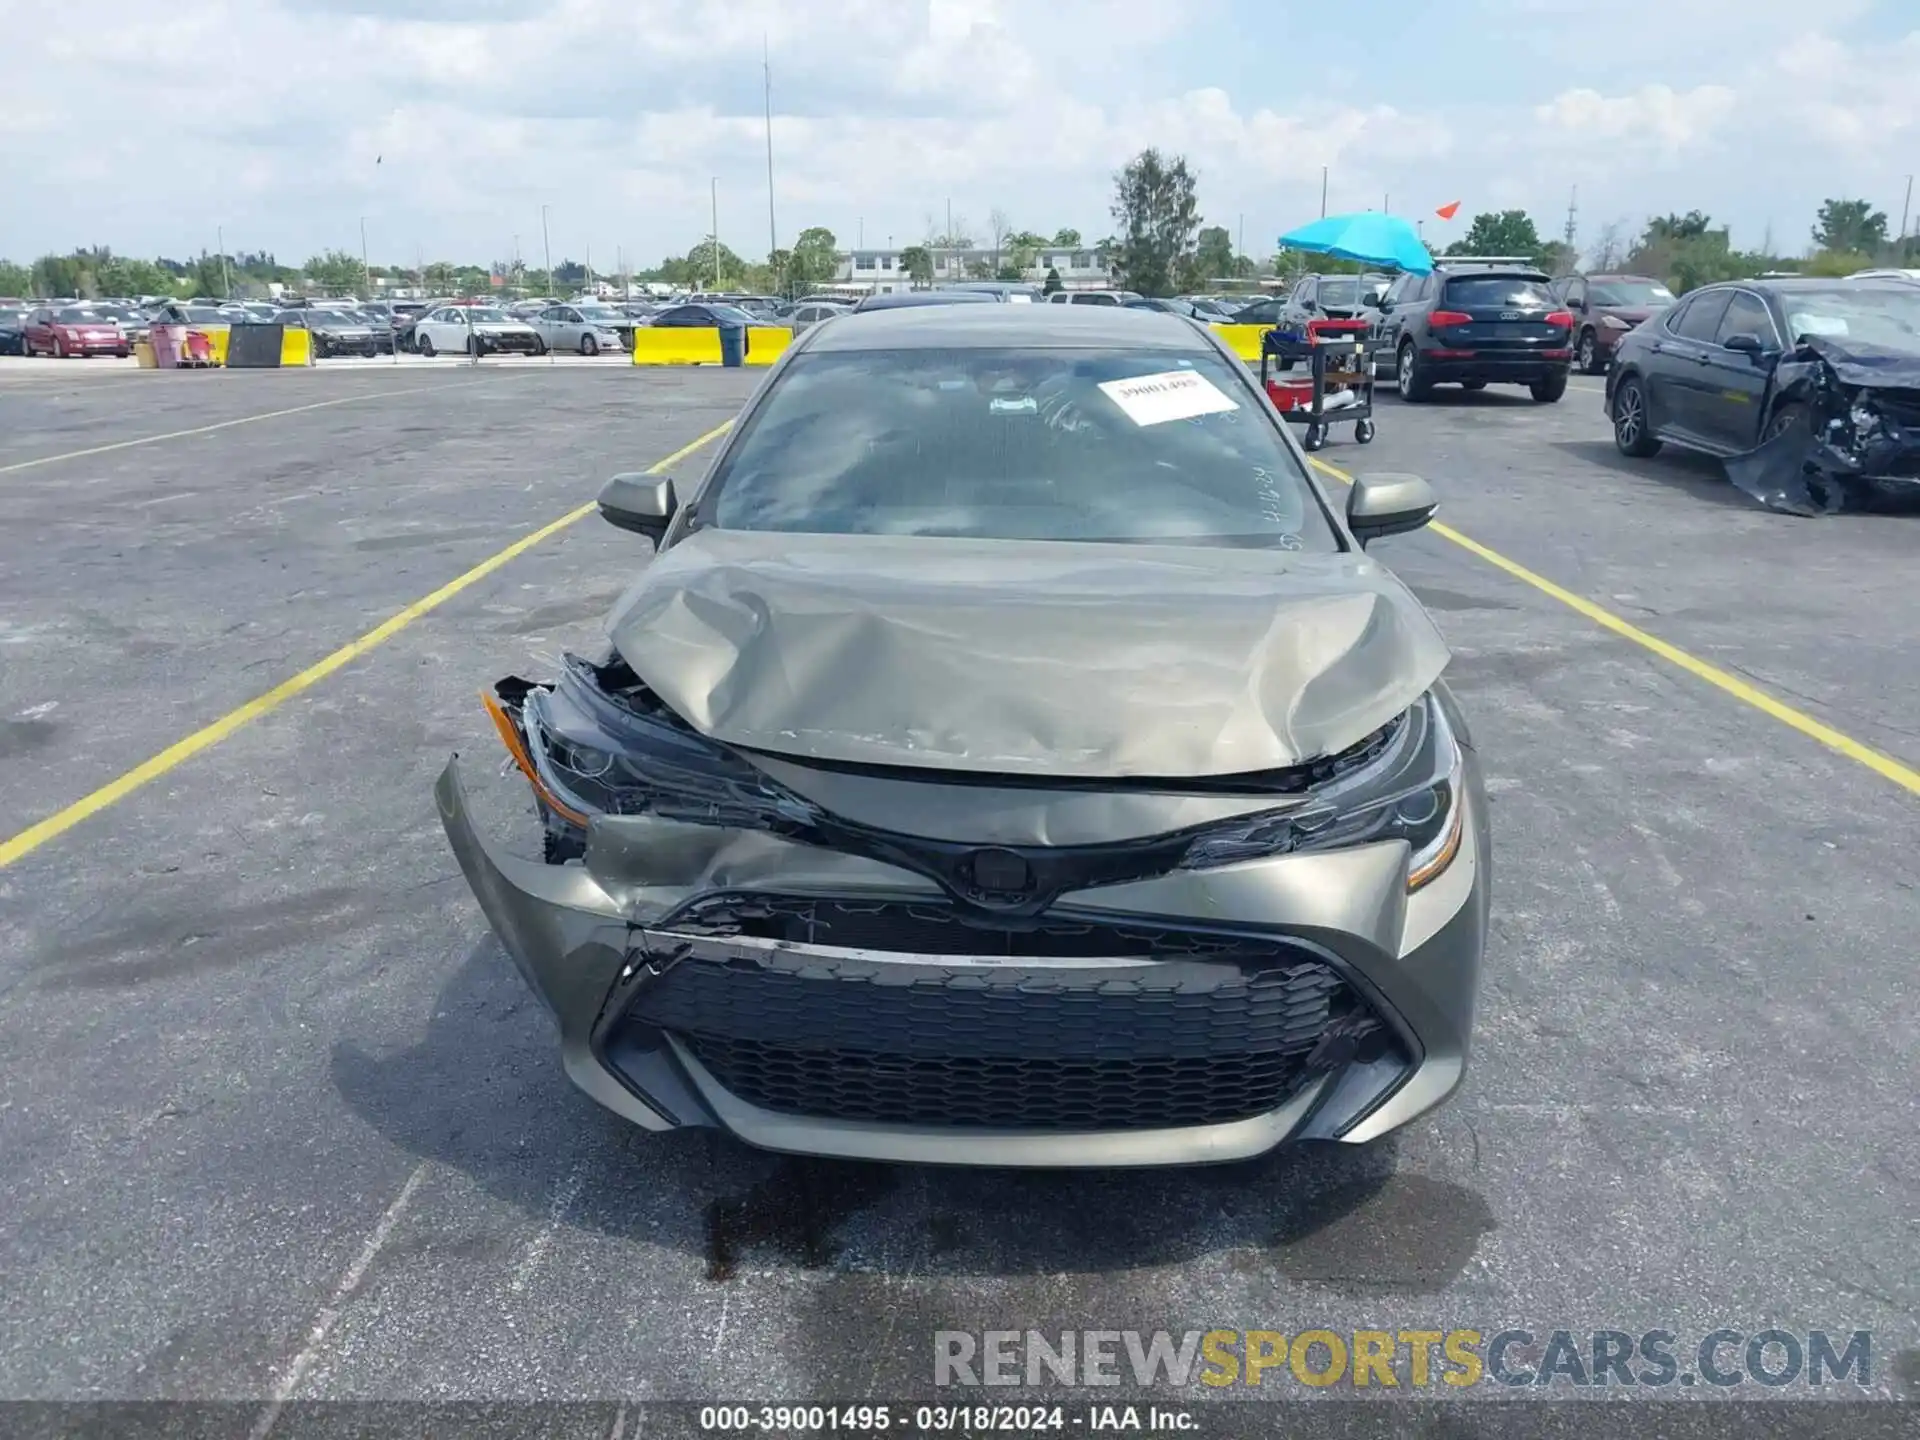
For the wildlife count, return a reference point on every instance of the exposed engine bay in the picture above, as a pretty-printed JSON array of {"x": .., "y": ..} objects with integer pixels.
[{"x": 1848, "y": 428}]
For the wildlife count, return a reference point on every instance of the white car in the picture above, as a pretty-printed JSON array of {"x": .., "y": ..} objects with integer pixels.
[
  {"x": 585, "y": 325},
  {"x": 473, "y": 330}
]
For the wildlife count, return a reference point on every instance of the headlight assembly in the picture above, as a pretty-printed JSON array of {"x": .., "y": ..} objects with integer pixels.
[
  {"x": 1410, "y": 792},
  {"x": 595, "y": 756}
]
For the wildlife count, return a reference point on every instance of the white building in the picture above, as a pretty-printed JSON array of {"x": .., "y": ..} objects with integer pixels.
[{"x": 1082, "y": 268}]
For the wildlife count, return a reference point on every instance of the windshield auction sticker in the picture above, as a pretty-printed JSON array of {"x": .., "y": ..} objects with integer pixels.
[{"x": 1169, "y": 395}]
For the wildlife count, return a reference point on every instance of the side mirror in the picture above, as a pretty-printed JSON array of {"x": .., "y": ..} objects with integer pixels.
[
  {"x": 643, "y": 504},
  {"x": 1388, "y": 505},
  {"x": 1745, "y": 344},
  {"x": 1383, "y": 304}
]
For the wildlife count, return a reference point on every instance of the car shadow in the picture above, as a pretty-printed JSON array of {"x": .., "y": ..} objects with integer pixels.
[
  {"x": 482, "y": 1093},
  {"x": 1452, "y": 397},
  {"x": 1700, "y": 476}
]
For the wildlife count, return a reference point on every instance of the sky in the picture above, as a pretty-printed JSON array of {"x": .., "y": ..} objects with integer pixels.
[{"x": 447, "y": 127}]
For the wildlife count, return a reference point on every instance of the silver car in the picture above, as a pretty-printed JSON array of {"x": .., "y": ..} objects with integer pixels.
[
  {"x": 805, "y": 317},
  {"x": 1007, "y": 755},
  {"x": 586, "y": 328}
]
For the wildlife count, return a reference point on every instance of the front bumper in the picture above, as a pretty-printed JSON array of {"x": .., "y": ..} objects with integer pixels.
[{"x": 1304, "y": 996}]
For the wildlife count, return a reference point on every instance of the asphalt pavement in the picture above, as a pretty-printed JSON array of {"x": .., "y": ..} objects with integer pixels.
[{"x": 278, "y": 1118}]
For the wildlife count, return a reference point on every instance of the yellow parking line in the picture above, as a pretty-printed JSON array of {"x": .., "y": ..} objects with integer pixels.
[
  {"x": 219, "y": 425},
  {"x": 36, "y": 835},
  {"x": 1886, "y": 766}
]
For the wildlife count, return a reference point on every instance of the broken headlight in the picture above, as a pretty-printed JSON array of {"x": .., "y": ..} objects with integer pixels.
[
  {"x": 597, "y": 756},
  {"x": 1410, "y": 792}
]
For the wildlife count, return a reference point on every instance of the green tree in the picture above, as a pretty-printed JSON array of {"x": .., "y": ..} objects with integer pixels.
[
  {"x": 698, "y": 268},
  {"x": 1851, "y": 226},
  {"x": 1508, "y": 232},
  {"x": 1067, "y": 239},
  {"x": 1213, "y": 259},
  {"x": 335, "y": 272},
  {"x": 15, "y": 280},
  {"x": 1157, "y": 214},
  {"x": 57, "y": 275},
  {"x": 1556, "y": 257},
  {"x": 1054, "y": 283},
  {"x": 570, "y": 272},
  {"x": 917, "y": 261},
  {"x": 1694, "y": 225},
  {"x": 815, "y": 259},
  {"x": 1022, "y": 254}
]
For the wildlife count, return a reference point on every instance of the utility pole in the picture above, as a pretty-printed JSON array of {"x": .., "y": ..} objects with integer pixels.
[
  {"x": 587, "y": 253},
  {"x": 546, "y": 248},
  {"x": 1386, "y": 203},
  {"x": 1906, "y": 208},
  {"x": 716, "y": 232},
  {"x": 366, "y": 269},
  {"x": 861, "y": 242},
  {"x": 226, "y": 281},
  {"x": 1573, "y": 216},
  {"x": 773, "y": 231},
  {"x": 1323, "y": 192}
]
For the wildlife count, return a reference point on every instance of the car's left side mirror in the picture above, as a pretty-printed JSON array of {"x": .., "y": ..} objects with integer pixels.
[
  {"x": 1380, "y": 505},
  {"x": 641, "y": 503},
  {"x": 1745, "y": 344}
]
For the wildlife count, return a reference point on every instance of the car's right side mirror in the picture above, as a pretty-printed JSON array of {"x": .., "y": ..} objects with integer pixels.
[
  {"x": 1380, "y": 505},
  {"x": 641, "y": 503}
]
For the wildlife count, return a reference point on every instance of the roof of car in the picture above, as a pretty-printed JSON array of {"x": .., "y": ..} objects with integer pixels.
[
  {"x": 1019, "y": 326},
  {"x": 918, "y": 299},
  {"x": 1792, "y": 284}
]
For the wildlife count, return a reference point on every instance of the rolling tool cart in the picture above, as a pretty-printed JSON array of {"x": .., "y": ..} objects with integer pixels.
[{"x": 1338, "y": 386}]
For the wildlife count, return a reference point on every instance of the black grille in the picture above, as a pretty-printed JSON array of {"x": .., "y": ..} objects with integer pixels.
[{"x": 1199, "y": 1030}]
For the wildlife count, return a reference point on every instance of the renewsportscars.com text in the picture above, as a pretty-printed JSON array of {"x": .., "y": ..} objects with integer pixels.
[{"x": 1415, "y": 1359}]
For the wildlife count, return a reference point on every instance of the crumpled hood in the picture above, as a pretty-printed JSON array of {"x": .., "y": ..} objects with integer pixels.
[
  {"x": 1027, "y": 658},
  {"x": 1856, "y": 363}
]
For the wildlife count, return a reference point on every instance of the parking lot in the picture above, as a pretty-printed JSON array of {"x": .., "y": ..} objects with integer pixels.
[{"x": 280, "y": 1120}]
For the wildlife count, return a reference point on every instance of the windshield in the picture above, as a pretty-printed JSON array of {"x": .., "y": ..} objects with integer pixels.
[
  {"x": 481, "y": 315},
  {"x": 1630, "y": 292},
  {"x": 1887, "y": 317},
  {"x": 732, "y": 314},
  {"x": 1089, "y": 445},
  {"x": 73, "y": 316},
  {"x": 599, "y": 314},
  {"x": 1350, "y": 292}
]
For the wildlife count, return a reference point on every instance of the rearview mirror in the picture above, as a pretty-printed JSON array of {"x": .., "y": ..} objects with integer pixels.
[
  {"x": 1388, "y": 505},
  {"x": 641, "y": 503}
]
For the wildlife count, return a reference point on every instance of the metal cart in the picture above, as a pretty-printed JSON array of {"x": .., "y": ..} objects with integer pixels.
[{"x": 1338, "y": 386}]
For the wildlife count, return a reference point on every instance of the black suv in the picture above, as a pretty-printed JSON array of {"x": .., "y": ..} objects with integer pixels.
[{"x": 1476, "y": 322}]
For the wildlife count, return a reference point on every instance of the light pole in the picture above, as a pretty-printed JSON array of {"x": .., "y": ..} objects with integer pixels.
[
  {"x": 1323, "y": 192},
  {"x": 226, "y": 282},
  {"x": 773, "y": 232},
  {"x": 716, "y": 232},
  {"x": 546, "y": 249}
]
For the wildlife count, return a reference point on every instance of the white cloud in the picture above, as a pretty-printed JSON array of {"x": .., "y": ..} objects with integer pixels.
[{"x": 1674, "y": 120}]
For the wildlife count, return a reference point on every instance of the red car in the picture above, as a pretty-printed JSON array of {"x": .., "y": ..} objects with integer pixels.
[
  {"x": 74, "y": 330},
  {"x": 1604, "y": 308}
]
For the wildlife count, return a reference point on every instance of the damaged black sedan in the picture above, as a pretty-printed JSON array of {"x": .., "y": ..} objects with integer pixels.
[
  {"x": 1008, "y": 757},
  {"x": 1809, "y": 389}
]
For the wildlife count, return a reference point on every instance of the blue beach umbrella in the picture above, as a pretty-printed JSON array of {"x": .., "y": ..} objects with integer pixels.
[{"x": 1370, "y": 238}]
